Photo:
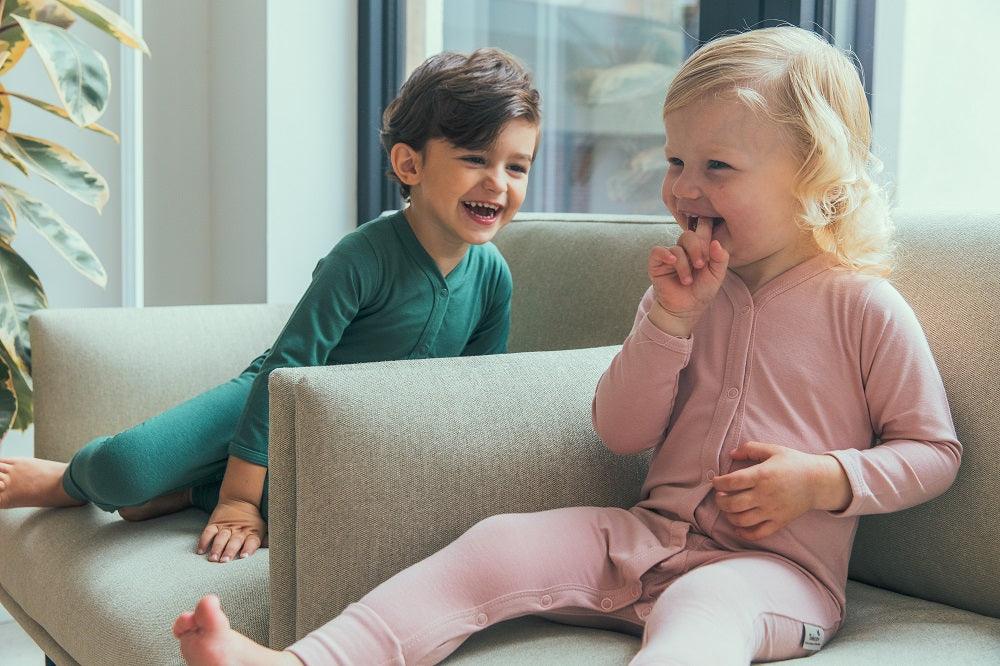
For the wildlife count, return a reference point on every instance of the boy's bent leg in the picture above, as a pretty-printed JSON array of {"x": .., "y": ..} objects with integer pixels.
[
  {"x": 184, "y": 446},
  {"x": 585, "y": 559},
  {"x": 734, "y": 611}
]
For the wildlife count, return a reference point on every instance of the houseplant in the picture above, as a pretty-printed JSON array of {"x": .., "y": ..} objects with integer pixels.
[{"x": 82, "y": 83}]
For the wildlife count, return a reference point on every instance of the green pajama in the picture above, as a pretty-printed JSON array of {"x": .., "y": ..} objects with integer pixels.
[{"x": 376, "y": 296}]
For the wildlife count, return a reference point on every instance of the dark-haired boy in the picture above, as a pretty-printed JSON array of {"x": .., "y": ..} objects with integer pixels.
[{"x": 422, "y": 282}]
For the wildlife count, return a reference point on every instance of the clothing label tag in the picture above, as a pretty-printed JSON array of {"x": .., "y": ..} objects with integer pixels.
[{"x": 812, "y": 637}]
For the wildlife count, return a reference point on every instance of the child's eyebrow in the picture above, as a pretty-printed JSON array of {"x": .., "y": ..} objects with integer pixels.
[{"x": 521, "y": 156}]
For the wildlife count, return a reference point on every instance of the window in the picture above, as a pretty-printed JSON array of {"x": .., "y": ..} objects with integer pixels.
[{"x": 602, "y": 67}]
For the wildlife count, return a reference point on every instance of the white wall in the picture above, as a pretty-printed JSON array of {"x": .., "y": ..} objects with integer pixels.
[
  {"x": 176, "y": 153},
  {"x": 311, "y": 137},
  {"x": 237, "y": 144},
  {"x": 938, "y": 120}
]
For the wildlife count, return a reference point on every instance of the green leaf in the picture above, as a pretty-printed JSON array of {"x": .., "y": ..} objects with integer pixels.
[
  {"x": 13, "y": 39},
  {"x": 79, "y": 73},
  {"x": 55, "y": 110},
  {"x": 21, "y": 294},
  {"x": 4, "y": 110},
  {"x": 108, "y": 21},
  {"x": 21, "y": 383},
  {"x": 11, "y": 157},
  {"x": 63, "y": 237},
  {"x": 60, "y": 166},
  {"x": 8, "y": 398},
  {"x": 8, "y": 222}
]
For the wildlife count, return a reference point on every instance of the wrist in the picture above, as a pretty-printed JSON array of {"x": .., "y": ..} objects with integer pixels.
[
  {"x": 833, "y": 488},
  {"x": 671, "y": 323},
  {"x": 243, "y": 482}
]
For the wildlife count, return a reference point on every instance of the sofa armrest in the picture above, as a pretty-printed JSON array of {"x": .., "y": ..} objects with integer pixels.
[
  {"x": 97, "y": 371},
  {"x": 376, "y": 466}
]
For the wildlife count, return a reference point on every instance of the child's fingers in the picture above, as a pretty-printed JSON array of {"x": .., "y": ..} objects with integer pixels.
[
  {"x": 250, "y": 546},
  {"x": 743, "y": 500},
  {"x": 747, "y": 519},
  {"x": 233, "y": 547},
  {"x": 697, "y": 251},
  {"x": 219, "y": 543},
  {"x": 661, "y": 261},
  {"x": 682, "y": 265},
  {"x": 743, "y": 479},
  {"x": 718, "y": 259},
  {"x": 206, "y": 537},
  {"x": 761, "y": 531}
]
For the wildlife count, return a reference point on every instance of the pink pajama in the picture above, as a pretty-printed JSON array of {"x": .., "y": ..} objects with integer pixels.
[
  {"x": 604, "y": 567},
  {"x": 819, "y": 359}
]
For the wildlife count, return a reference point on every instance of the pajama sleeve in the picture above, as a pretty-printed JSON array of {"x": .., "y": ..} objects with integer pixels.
[
  {"x": 490, "y": 335},
  {"x": 342, "y": 283},
  {"x": 917, "y": 453},
  {"x": 635, "y": 395}
]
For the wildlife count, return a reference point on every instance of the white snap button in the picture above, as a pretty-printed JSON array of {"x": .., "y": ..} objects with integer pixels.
[
  {"x": 733, "y": 393},
  {"x": 607, "y": 604},
  {"x": 481, "y": 619},
  {"x": 709, "y": 475},
  {"x": 545, "y": 601},
  {"x": 643, "y": 613}
]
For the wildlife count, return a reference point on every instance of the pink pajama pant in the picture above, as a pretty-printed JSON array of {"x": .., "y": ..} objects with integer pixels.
[{"x": 634, "y": 571}]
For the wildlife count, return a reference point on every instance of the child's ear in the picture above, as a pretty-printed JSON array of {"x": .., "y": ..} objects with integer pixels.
[{"x": 406, "y": 163}]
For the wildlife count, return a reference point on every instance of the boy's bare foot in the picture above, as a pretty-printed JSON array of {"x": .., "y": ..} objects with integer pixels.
[
  {"x": 33, "y": 482},
  {"x": 158, "y": 506},
  {"x": 207, "y": 640}
]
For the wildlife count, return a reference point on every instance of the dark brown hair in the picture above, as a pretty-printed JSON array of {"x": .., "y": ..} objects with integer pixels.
[{"x": 465, "y": 100}]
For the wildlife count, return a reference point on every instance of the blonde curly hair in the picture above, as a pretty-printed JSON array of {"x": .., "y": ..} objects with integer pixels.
[{"x": 812, "y": 89}]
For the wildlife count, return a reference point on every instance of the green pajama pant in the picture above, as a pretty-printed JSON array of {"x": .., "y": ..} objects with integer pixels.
[{"x": 186, "y": 446}]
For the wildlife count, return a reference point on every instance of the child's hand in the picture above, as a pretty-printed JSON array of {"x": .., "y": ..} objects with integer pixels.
[
  {"x": 686, "y": 277},
  {"x": 235, "y": 529},
  {"x": 762, "y": 499}
]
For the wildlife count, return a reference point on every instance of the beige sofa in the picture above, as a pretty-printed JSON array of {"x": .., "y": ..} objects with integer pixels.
[{"x": 375, "y": 466}]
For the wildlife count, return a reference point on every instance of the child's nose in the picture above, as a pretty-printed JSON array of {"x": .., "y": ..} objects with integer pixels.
[
  {"x": 685, "y": 187},
  {"x": 495, "y": 182}
]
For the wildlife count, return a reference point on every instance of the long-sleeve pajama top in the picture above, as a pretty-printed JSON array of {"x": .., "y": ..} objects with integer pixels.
[
  {"x": 378, "y": 296},
  {"x": 820, "y": 359}
]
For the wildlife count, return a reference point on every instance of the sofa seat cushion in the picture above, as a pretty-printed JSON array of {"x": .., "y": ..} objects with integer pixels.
[
  {"x": 108, "y": 591},
  {"x": 882, "y": 628}
]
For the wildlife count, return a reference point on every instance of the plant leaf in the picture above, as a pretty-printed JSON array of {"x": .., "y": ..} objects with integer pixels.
[
  {"x": 8, "y": 221},
  {"x": 8, "y": 398},
  {"x": 108, "y": 21},
  {"x": 9, "y": 156},
  {"x": 60, "y": 166},
  {"x": 20, "y": 380},
  {"x": 52, "y": 108},
  {"x": 14, "y": 39},
  {"x": 21, "y": 293},
  {"x": 79, "y": 73},
  {"x": 63, "y": 237},
  {"x": 4, "y": 110}
]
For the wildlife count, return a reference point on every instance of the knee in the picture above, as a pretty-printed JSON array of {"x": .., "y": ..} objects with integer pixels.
[{"x": 116, "y": 471}]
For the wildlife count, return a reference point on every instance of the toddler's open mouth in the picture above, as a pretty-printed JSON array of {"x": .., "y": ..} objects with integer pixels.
[{"x": 692, "y": 221}]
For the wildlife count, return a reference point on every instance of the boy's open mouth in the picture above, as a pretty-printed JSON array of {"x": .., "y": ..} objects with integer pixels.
[{"x": 484, "y": 212}]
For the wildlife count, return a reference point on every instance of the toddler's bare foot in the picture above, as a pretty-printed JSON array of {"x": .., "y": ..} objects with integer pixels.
[
  {"x": 207, "y": 640},
  {"x": 33, "y": 482},
  {"x": 158, "y": 506}
]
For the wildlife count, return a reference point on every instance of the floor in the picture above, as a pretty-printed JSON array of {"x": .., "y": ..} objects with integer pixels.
[{"x": 16, "y": 649}]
